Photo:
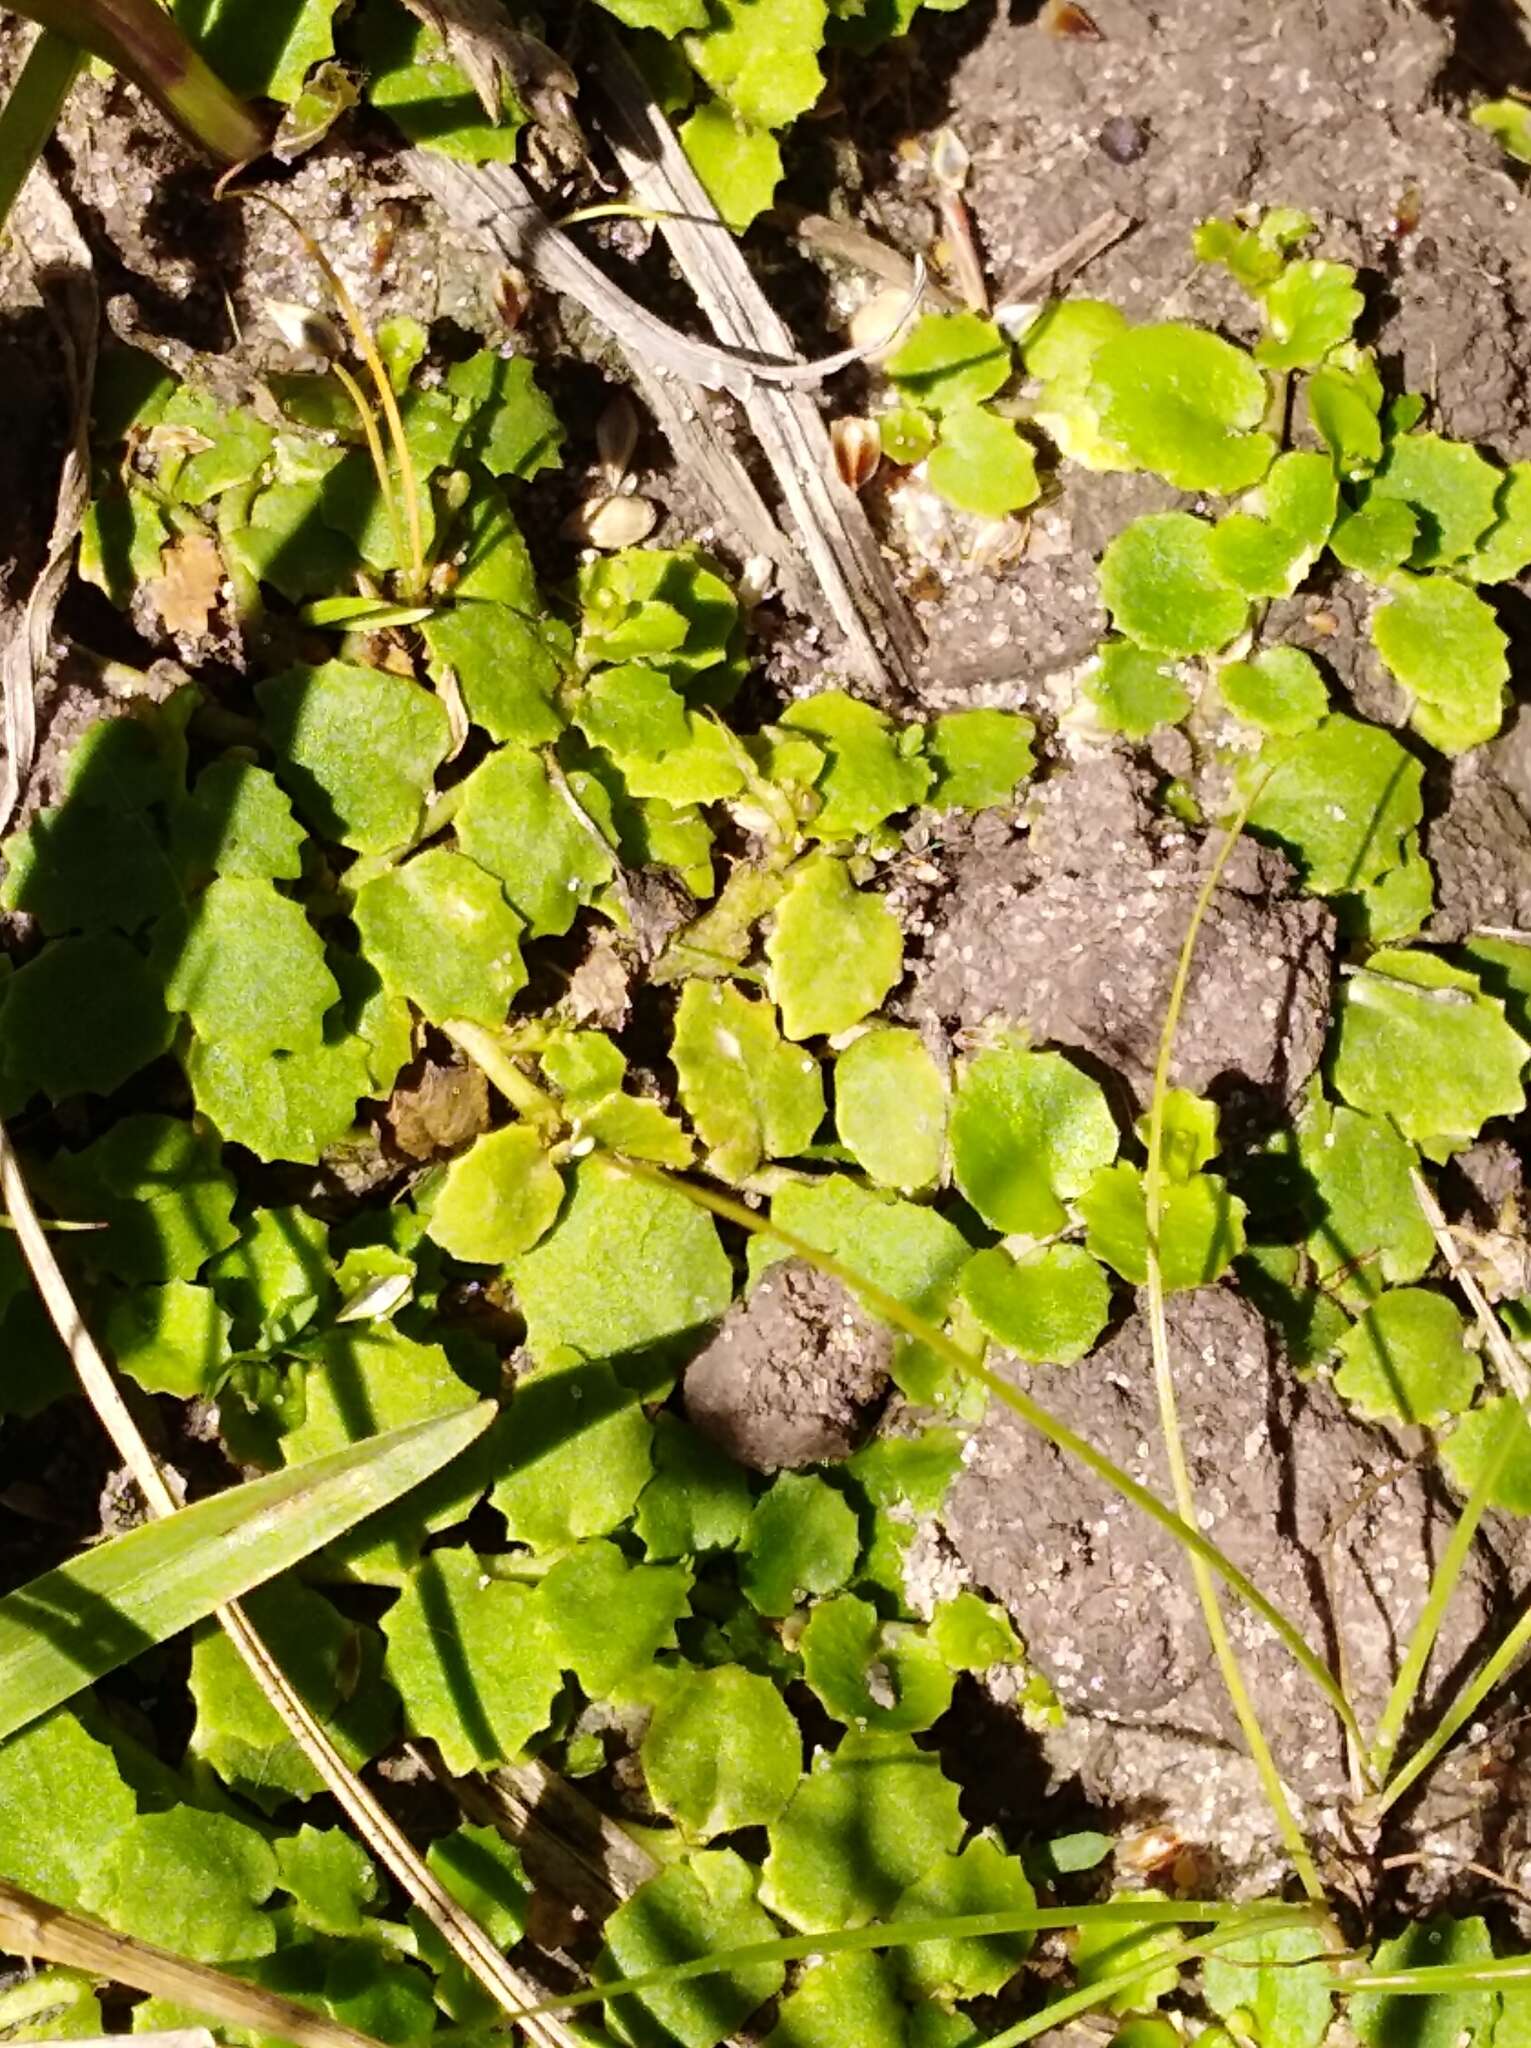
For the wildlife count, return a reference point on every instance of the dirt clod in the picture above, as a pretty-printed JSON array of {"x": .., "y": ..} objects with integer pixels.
[{"x": 792, "y": 1375}]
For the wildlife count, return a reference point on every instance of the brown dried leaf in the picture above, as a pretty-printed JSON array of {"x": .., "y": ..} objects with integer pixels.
[
  {"x": 438, "y": 1111},
  {"x": 1064, "y": 18},
  {"x": 186, "y": 591}
]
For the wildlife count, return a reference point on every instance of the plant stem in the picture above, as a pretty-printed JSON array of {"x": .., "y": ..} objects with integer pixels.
[
  {"x": 1466, "y": 1704},
  {"x": 1431, "y": 1980},
  {"x": 139, "y": 39},
  {"x": 31, "y": 113},
  {"x": 1164, "y": 1383},
  {"x": 518, "y": 1089},
  {"x": 892, "y": 1311}
]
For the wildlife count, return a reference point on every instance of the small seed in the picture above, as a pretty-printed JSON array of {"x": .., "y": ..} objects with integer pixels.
[
  {"x": 1063, "y": 18},
  {"x": 949, "y": 161},
  {"x": 858, "y": 450},
  {"x": 756, "y": 581},
  {"x": 1123, "y": 139},
  {"x": 616, "y": 436},
  {"x": 512, "y": 296},
  {"x": 874, "y": 325},
  {"x": 302, "y": 327},
  {"x": 614, "y": 522}
]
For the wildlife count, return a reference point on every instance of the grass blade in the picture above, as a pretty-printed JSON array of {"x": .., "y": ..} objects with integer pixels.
[
  {"x": 65, "y": 1629},
  {"x": 31, "y": 1927},
  {"x": 31, "y": 112},
  {"x": 1430, "y": 1980},
  {"x": 1457, "y": 1715}
]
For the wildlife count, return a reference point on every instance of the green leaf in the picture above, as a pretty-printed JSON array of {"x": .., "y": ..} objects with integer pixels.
[
  {"x": 1028, "y": 1131},
  {"x": 572, "y": 1458},
  {"x": 689, "y": 1911},
  {"x": 1406, "y": 1361},
  {"x": 1371, "y": 1232},
  {"x": 721, "y": 1752},
  {"x": 906, "y": 433},
  {"x": 1133, "y": 691},
  {"x": 430, "y": 100},
  {"x": 1418, "y": 1041},
  {"x": 802, "y": 1538},
  {"x": 974, "y": 1634},
  {"x": 1201, "y": 1227},
  {"x": 951, "y": 360},
  {"x": 1503, "y": 967},
  {"x": 500, "y": 1197},
  {"x": 866, "y": 1823},
  {"x": 850, "y": 1997},
  {"x": 1342, "y": 799},
  {"x": 1184, "y": 402},
  {"x": 1505, "y": 551},
  {"x": 83, "y": 868},
  {"x": 870, "y": 775},
  {"x": 697, "y": 1500},
  {"x": 331, "y": 1878},
  {"x": 982, "y": 463},
  {"x": 161, "y": 1190},
  {"x": 903, "y": 1248},
  {"x": 1255, "y": 254},
  {"x": 980, "y": 1879},
  {"x": 1267, "y": 548},
  {"x": 979, "y": 758},
  {"x": 188, "y": 1881},
  {"x": 610, "y": 1619},
  {"x": 493, "y": 561},
  {"x": 473, "y": 1660},
  {"x": 870, "y": 1673},
  {"x": 62, "y": 1803},
  {"x": 1443, "y": 643},
  {"x": 890, "y": 1108},
  {"x": 1254, "y": 1984},
  {"x": 1107, "y": 1948},
  {"x": 273, "y": 1277},
  {"x": 358, "y": 749},
  {"x": 1509, "y": 122},
  {"x": 628, "y": 1264},
  {"x": 237, "y": 822},
  {"x": 512, "y": 428},
  {"x": 1188, "y": 1135},
  {"x": 1310, "y": 309},
  {"x": 172, "y": 1339},
  {"x": 1385, "y": 2019},
  {"x": 266, "y": 58},
  {"x": 1479, "y": 1437},
  {"x": 1280, "y": 689},
  {"x": 506, "y": 666},
  {"x": 834, "y": 951},
  {"x": 238, "y": 444},
  {"x": 1048, "y": 1307},
  {"x": 1161, "y": 584},
  {"x": 335, "y": 1667},
  {"x": 1344, "y": 401},
  {"x": 762, "y": 56},
  {"x": 750, "y": 1095},
  {"x": 1377, "y": 538},
  {"x": 1395, "y": 906},
  {"x": 121, "y": 540},
  {"x": 668, "y": 17},
  {"x": 282, "y": 1105},
  {"x": 1060, "y": 349},
  {"x": 739, "y": 164},
  {"x": 439, "y": 931},
  {"x": 244, "y": 963},
  {"x": 1452, "y": 491},
  {"x": 669, "y": 607},
  {"x": 81, "y": 1017}
]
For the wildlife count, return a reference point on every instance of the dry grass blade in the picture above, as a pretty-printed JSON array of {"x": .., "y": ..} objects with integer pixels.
[
  {"x": 1511, "y": 1366},
  {"x": 377, "y": 1830},
  {"x": 31, "y": 1927},
  {"x": 72, "y": 302},
  {"x": 837, "y": 536}
]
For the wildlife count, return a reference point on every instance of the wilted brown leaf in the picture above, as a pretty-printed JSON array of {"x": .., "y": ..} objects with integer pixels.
[
  {"x": 438, "y": 1110},
  {"x": 186, "y": 591}
]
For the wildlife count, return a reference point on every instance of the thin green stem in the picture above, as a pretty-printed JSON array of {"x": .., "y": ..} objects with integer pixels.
[
  {"x": 1164, "y": 1383},
  {"x": 31, "y": 113},
  {"x": 1059, "y": 2011},
  {"x": 1411, "y": 1671},
  {"x": 518, "y": 1089},
  {"x": 901, "y": 1317},
  {"x": 1232, "y": 1922},
  {"x": 1431, "y": 1980},
  {"x": 1456, "y": 1717}
]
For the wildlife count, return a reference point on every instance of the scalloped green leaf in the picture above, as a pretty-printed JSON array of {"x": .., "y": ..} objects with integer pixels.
[
  {"x": 951, "y": 360},
  {"x": 357, "y": 748},
  {"x": 1280, "y": 689},
  {"x": 500, "y": 1197},
  {"x": 982, "y": 463},
  {"x": 801, "y": 1538},
  {"x": 834, "y": 951},
  {"x": 1406, "y": 1360},
  {"x": 1028, "y": 1130},
  {"x": 1134, "y": 692},
  {"x": 750, "y": 1095},
  {"x": 871, "y": 1673},
  {"x": 571, "y": 1457},
  {"x": 439, "y": 931},
  {"x": 689, "y": 1911},
  {"x": 871, "y": 771},
  {"x": 1201, "y": 1227},
  {"x": 1450, "y": 488},
  {"x": 1185, "y": 403},
  {"x": 980, "y": 1878},
  {"x": 891, "y": 1107},
  {"x": 1048, "y": 1307},
  {"x": 721, "y": 1752},
  {"x": 1342, "y": 799},
  {"x": 245, "y": 963},
  {"x": 1060, "y": 349},
  {"x": 738, "y": 163},
  {"x": 1443, "y": 643},
  {"x": 1310, "y": 310},
  {"x": 1161, "y": 584}
]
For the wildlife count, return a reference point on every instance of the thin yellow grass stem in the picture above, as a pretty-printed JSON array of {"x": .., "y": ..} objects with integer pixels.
[
  {"x": 368, "y": 419},
  {"x": 377, "y": 1829},
  {"x": 1164, "y": 1384}
]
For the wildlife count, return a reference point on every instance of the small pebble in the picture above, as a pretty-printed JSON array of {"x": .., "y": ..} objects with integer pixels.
[{"x": 1123, "y": 139}]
